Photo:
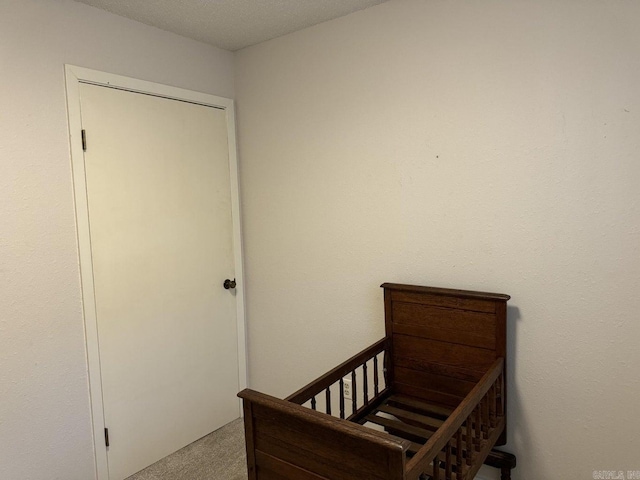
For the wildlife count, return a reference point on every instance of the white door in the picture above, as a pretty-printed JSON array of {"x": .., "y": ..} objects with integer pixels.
[{"x": 158, "y": 193}]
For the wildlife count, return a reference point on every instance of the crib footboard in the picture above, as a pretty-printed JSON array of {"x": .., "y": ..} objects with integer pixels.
[{"x": 287, "y": 441}]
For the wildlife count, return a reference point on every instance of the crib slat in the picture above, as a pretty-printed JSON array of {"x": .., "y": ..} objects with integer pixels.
[
  {"x": 376, "y": 387},
  {"x": 458, "y": 453},
  {"x": 485, "y": 417},
  {"x": 328, "y": 400},
  {"x": 354, "y": 392},
  {"x": 447, "y": 462},
  {"x": 436, "y": 468},
  {"x": 365, "y": 383},
  {"x": 431, "y": 472},
  {"x": 478, "y": 427},
  {"x": 341, "y": 398},
  {"x": 481, "y": 420},
  {"x": 500, "y": 387},
  {"x": 401, "y": 429},
  {"x": 468, "y": 442},
  {"x": 492, "y": 406},
  {"x": 411, "y": 418}
]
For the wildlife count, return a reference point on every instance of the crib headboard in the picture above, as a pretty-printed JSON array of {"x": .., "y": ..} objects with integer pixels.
[{"x": 442, "y": 341}]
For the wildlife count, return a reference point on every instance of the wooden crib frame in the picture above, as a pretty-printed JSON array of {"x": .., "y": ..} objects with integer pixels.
[{"x": 439, "y": 394}]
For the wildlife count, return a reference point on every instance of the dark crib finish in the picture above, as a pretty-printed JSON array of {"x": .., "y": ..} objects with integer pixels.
[{"x": 435, "y": 384}]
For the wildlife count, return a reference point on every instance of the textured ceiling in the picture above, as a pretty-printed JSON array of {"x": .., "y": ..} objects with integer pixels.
[{"x": 231, "y": 24}]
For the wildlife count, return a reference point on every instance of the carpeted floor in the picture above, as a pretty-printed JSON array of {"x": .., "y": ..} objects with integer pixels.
[{"x": 218, "y": 456}]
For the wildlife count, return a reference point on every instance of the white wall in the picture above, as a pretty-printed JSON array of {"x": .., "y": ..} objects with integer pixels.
[
  {"x": 45, "y": 427},
  {"x": 485, "y": 145}
]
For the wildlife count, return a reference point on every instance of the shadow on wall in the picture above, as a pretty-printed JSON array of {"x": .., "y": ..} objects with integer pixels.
[
  {"x": 517, "y": 441},
  {"x": 516, "y": 431},
  {"x": 513, "y": 399}
]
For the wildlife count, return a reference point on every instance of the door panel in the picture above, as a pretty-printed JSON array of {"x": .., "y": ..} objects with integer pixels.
[{"x": 158, "y": 192}]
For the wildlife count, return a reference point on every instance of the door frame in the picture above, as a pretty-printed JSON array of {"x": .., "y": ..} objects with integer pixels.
[{"x": 74, "y": 76}]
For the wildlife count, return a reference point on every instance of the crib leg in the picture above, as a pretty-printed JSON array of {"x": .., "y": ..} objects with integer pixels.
[
  {"x": 502, "y": 460},
  {"x": 505, "y": 473}
]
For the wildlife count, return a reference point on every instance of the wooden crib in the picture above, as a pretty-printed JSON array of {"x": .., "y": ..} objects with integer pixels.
[{"x": 428, "y": 401}]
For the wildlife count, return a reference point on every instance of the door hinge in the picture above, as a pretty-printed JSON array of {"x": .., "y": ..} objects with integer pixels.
[
  {"x": 84, "y": 140},
  {"x": 106, "y": 436}
]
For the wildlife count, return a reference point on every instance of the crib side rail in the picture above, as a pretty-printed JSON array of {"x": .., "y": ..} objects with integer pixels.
[
  {"x": 291, "y": 442},
  {"x": 363, "y": 371},
  {"x": 463, "y": 441}
]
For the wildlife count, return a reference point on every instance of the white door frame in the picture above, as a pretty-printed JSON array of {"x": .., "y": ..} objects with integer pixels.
[{"x": 74, "y": 77}]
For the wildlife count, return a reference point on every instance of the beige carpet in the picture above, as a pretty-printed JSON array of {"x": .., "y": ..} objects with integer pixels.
[{"x": 218, "y": 456}]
